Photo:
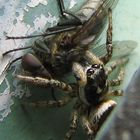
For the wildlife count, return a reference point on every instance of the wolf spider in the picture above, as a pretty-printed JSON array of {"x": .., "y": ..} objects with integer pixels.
[{"x": 92, "y": 90}]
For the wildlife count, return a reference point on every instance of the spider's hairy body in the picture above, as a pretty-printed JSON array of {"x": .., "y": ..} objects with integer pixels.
[{"x": 98, "y": 86}]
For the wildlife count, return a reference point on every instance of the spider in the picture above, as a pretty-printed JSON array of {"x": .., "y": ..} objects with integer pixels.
[{"x": 91, "y": 90}]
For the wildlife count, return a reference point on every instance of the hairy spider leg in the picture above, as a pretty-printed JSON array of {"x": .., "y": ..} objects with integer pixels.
[
  {"x": 54, "y": 84},
  {"x": 87, "y": 127},
  {"x": 51, "y": 103},
  {"x": 109, "y": 47},
  {"x": 93, "y": 121},
  {"x": 73, "y": 125},
  {"x": 92, "y": 58},
  {"x": 113, "y": 65},
  {"x": 47, "y": 82},
  {"x": 118, "y": 80},
  {"x": 109, "y": 69},
  {"x": 115, "y": 93}
]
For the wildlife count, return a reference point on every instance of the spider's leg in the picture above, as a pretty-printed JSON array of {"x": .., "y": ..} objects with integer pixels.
[
  {"x": 115, "y": 93},
  {"x": 79, "y": 74},
  {"x": 113, "y": 65},
  {"x": 98, "y": 115},
  {"x": 32, "y": 64},
  {"x": 51, "y": 103},
  {"x": 116, "y": 82},
  {"x": 92, "y": 58},
  {"x": 109, "y": 47},
  {"x": 46, "y": 83},
  {"x": 88, "y": 128},
  {"x": 73, "y": 125}
]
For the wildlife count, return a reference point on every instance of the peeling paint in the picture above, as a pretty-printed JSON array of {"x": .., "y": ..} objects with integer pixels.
[
  {"x": 72, "y": 3},
  {"x": 5, "y": 102},
  {"x": 34, "y": 3}
]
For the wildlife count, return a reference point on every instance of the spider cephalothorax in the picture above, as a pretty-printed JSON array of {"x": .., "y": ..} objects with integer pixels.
[
  {"x": 96, "y": 76},
  {"x": 96, "y": 83}
]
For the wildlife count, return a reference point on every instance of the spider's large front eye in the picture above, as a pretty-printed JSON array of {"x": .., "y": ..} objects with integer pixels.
[
  {"x": 90, "y": 72},
  {"x": 95, "y": 66}
]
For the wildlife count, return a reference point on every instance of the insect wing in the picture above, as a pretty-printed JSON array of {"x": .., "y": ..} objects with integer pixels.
[
  {"x": 120, "y": 49},
  {"x": 93, "y": 24}
]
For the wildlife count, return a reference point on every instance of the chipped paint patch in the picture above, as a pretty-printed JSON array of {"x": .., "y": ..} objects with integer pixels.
[
  {"x": 41, "y": 21},
  {"x": 5, "y": 102},
  {"x": 34, "y": 3},
  {"x": 72, "y": 3}
]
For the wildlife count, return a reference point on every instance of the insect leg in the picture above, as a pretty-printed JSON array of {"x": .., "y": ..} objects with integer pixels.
[
  {"x": 50, "y": 31},
  {"x": 64, "y": 13},
  {"x": 109, "y": 47},
  {"x": 51, "y": 103},
  {"x": 73, "y": 125},
  {"x": 32, "y": 64},
  {"x": 14, "y": 50},
  {"x": 10, "y": 63},
  {"x": 61, "y": 6}
]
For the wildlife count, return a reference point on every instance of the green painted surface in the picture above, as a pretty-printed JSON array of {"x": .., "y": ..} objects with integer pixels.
[{"x": 52, "y": 124}]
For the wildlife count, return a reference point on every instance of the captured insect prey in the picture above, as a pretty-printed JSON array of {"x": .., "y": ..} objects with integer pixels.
[
  {"x": 65, "y": 48},
  {"x": 53, "y": 56}
]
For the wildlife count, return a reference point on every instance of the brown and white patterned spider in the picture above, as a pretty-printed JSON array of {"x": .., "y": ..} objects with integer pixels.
[{"x": 92, "y": 91}]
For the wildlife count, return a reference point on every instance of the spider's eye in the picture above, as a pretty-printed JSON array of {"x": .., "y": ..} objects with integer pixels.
[
  {"x": 90, "y": 71},
  {"x": 95, "y": 66},
  {"x": 101, "y": 67}
]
